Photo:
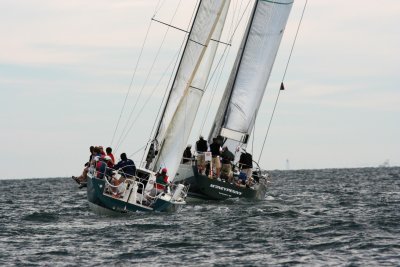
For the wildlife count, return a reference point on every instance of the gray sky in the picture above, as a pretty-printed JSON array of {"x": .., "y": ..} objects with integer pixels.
[{"x": 65, "y": 68}]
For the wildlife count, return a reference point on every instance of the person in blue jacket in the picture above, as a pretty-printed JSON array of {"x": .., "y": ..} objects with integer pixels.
[{"x": 126, "y": 166}]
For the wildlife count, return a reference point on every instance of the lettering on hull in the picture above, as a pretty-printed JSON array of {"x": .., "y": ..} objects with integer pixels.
[{"x": 225, "y": 189}]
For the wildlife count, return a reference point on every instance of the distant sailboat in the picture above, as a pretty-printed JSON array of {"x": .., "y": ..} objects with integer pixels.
[
  {"x": 238, "y": 109},
  {"x": 287, "y": 164},
  {"x": 385, "y": 164}
]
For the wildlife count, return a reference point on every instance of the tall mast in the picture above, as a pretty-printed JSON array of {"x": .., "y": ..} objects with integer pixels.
[
  {"x": 176, "y": 73},
  {"x": 247, "y": 83},
  {"x": 173, "y": 116},
  {"x": 216, "y": 130}
]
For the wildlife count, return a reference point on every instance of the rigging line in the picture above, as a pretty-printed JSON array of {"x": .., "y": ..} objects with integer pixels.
[
  {"x": 237, "y": 63},
  {"x": 172, "y": 75},
  {"x": 233, "y": 17},
  {"x": 232, "y": 34},
  {"x": 169, "y": 25},
  {"x": 149, "y": 97},
  {"x": 166, "y": 106},
  {"x": 131, "y": 82},
  {"x": 166, "y": 90},
  {"x": 295, "y": 38},
  {"x": 235, "y": 9},
  {"x": 157, "y": 136},
  {"x": 145, "y": 82},
  {"x": 223, "y": 65},
  {"x": 147, "y": 77},
  {"x": 230, "y": 40},
  {"x": 238, "y": 13},
  {"x": 137, "y": 151},
  {"x": 287, "y": 65},
  {"x": 158, "y": 7},
  {"x": 182, "y": 30},
  {"x": 238, "y": 23},
  {"x": 186, "y": 111},
  {"x": 152, "y": 132},
  {"x": 216, "y": 83},
  {"x": 254, "y": 136},
  {"x": 267, "y": 23}
]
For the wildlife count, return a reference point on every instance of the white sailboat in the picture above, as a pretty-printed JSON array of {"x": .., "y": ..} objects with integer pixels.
[
  {"x": 136, "y": 193},
  {"x": 241, "y": 100}
]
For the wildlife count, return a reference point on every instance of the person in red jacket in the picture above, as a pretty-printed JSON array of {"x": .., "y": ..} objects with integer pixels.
[
  {"x": 161, "y": 180},
  {"x": 110, "y": 163}
]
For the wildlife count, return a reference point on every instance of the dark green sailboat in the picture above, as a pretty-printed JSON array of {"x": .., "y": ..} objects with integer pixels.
[{"x": 237, "y": 112}]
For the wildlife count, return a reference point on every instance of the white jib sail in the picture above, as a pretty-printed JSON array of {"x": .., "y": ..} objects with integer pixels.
[
  {"x": 248, "y": 80},
  {"x": 188, "y": 89}
]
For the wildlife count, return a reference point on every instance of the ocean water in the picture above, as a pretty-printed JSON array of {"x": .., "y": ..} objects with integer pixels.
[{"x": 332, "y": 217}]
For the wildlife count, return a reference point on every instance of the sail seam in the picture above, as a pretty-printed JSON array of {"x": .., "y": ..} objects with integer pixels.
[
  {"x": 200, "y": 89},
  {"x": 278, "y": 3}
]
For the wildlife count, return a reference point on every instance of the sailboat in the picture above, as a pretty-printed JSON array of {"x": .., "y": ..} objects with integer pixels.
[
  {"x": 137, "y": 193},
  {"x": 241, "y": 100}
]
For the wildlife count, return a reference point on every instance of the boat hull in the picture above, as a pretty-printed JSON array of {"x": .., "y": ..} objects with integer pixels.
[
  {"x": 204, "y": 188},
  {"x": 102, "y": 203}
]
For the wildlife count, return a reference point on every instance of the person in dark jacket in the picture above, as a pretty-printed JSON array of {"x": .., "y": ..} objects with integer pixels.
[
  {"x": 201, "y": 147},
  {"x": 187, "y": 155},
  {"x": 125, "y": 166},
  {"x": 215, "y": 149},
  {"x": 246, "y": 164},
  {"x": 226, "y": 169}
]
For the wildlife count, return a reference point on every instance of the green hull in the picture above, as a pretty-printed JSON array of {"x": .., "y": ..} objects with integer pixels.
[
  {"x": 100, "y": 201},
  {"x": 204, "y": 188}
]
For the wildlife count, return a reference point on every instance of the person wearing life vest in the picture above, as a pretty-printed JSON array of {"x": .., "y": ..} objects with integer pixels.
[
  {"x": 100, "y": 167},
  {"x": 161, "y": 180},
  {"x": 111, "y": 162}
]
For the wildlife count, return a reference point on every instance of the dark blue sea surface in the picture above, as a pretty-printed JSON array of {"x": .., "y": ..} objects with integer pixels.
[{"x": 331, "y": 217}]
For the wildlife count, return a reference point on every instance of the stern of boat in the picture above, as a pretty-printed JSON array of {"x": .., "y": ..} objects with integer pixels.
[{"x": 133, "y": 194}]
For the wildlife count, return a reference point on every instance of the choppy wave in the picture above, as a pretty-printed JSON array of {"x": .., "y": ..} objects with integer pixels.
[
  {"x": 309, "y": 217},
  {"x": 41, "y": 217}
]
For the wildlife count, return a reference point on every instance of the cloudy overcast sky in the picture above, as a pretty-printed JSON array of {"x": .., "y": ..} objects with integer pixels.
[{"x": 65, "y": 68}]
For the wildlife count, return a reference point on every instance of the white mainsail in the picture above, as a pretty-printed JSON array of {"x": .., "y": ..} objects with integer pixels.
[
  {"x": 248, "y": 80},
  {"x": 188, "y": 87}
]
